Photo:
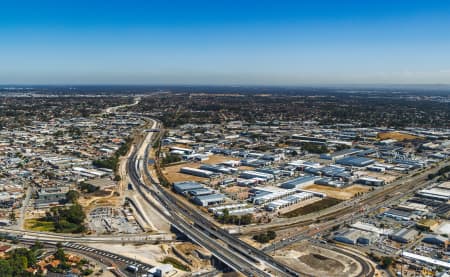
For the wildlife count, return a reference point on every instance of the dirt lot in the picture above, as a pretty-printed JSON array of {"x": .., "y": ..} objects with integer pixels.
[
  {"x": 387, "y": 177},
  {"x": 237, "y": 192},
  {"x": 173, "y": 172},
  {"x": 317, "y": 261},
  {"x": 396, "y": 135},
  {"x": 339, "y": 193}
]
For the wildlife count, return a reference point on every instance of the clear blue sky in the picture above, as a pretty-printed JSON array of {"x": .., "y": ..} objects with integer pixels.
[{"x": 225, "y": 42}]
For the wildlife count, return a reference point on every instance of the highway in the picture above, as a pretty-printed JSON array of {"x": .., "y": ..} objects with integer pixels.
[{"x": 227, "y": 248}]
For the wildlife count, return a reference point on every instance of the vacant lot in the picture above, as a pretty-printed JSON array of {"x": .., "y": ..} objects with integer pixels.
[
  {"x": 316, "y": 261},
  {"x": 314, "y": 207},
  {"x": 173, "y": 174},
  {"x": 339, "y": 193},
  {"x": 41, "y": 226},
  {"x": 397, "y": 136}
]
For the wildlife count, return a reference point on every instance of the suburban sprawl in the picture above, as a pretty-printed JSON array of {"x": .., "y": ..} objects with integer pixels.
[{"x": 184, "y": 182}]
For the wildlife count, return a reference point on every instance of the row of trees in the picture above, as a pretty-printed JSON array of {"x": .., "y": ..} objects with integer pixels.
[
  {"x": 265, "y": 237},
  {"x": 226, "y": 218}
]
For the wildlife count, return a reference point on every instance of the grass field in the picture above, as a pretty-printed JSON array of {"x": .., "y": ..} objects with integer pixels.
[
  {"x": 314, "y": 207},
  {"x": 41, "y": 226},
  {"x": 177, "y": 264}
]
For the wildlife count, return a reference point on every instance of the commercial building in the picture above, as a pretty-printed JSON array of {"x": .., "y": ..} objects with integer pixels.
[{"x": 51, "y": 196}]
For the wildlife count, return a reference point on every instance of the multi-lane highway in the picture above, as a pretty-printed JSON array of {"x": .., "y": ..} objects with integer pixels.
[{"x": 224, "y": 246}]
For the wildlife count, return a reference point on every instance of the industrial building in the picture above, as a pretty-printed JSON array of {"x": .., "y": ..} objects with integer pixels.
[
  {"x": 370, "y": 181},
  {"x": 210, "y": 199},
  {"x": 436, "y": 240},
  {"x": 398, "y": 214},
  {"x": 197, "y": 172},
  {"x": 250, "y": 174},
  {"x": 288, "y": 201},
  {"x": 355, "y": 161},
  {"x": 267, "y": 194},
  {"x": 340, "y": 154},
  {"x": 182, "y": 187},
  {"x": 217, "y": 169},
  {"x": 404, "y": 235},
  {"x": 353, "y": 236},
  {"x": 435, "y": 193},
  {"x": 299, "y": 182},
  {"x": 330, "y": 182}
]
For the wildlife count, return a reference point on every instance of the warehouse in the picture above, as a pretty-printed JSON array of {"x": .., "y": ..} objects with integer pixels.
[
  {"x": 353, "y": 236},
  {"x": 200, "y": 191},
  {"x": 425, "y": 259},
  {"x": 275, "y": 172},
  {"x": 370, "y": 181},
  {"x": 217, "y": 169},
  {"x": 264, "y": 195},
  {"x": 230, "y": 207},
  {"x": 206, "y": 200},
  {"x": 180, "y": 150},
  {"x": 250, "y": 174},
  {"x": 330, "y": 182},
  {"x": 404, "y": 235},
  {"x": 340, "y": 154},
  {"x": 198, "y": 172},
  {"x": 299, "y": 182},
  {"x": 182, "y": 187},
  {"x": 436, "y": 240},
  {"x": 288, "y": 201},
  {"x": 398, "y": 214},
  {"x": 355, "y": 161},
  {"x": 435, "y": 193}
]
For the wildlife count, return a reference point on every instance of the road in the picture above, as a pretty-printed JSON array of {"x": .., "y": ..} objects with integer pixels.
[
  {"x": 23, "y": 209},
  {"x": 229, "y": 249},
  {"x": 116, "y": 262}
]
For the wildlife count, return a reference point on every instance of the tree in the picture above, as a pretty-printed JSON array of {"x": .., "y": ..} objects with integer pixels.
[
  {"x": 386, "y": 262},
  {"x": 12, "y": 216},
  {"x": 72, "y": 196},
  {"x": 60, "y": 255}
]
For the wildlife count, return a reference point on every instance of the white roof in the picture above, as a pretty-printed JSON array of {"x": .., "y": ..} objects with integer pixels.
[{"x": 425, "y": 259}]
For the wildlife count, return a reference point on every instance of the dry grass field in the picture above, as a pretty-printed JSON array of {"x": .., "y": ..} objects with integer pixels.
[
  {"x": 339, "y": 193},
  {"x": 397, "y": 136}
]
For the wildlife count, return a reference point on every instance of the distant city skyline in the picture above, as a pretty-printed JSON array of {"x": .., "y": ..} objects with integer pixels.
[{"x": 225, "y": 42}]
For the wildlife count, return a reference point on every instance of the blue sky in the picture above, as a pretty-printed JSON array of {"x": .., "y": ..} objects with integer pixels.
[{"x": 225, "y": 42}]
